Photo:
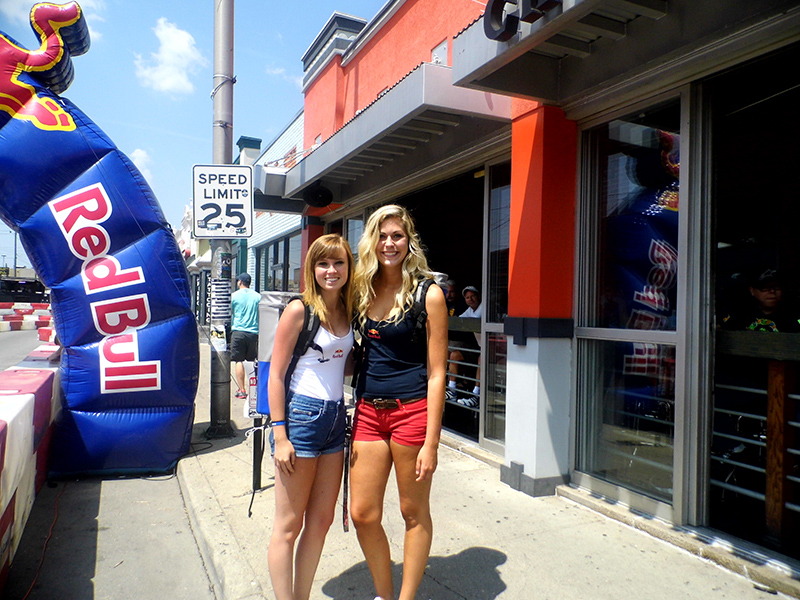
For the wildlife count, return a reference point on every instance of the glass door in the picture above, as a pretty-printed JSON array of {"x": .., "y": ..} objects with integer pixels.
[{"x": 627, "y": 311}]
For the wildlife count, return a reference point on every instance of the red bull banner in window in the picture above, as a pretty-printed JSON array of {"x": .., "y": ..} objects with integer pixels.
[{"x": 96, "y": 236}]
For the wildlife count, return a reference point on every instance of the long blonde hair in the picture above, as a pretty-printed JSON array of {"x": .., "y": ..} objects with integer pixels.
[
  {"x": 415, "y": 265},
  {"x": 327, "y": 246}
]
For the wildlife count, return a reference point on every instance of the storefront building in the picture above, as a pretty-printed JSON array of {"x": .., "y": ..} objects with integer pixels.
[
  {"x": 616, "y": 177},
  {"x": 672, "y": 408},
  {"x": 382, "y": 125}
]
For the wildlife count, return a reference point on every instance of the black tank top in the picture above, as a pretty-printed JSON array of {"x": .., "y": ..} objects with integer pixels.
[{"x": 394, "y": 366}]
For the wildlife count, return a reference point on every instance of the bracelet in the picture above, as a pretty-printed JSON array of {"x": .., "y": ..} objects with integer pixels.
[{"x": 276, "y": 423}]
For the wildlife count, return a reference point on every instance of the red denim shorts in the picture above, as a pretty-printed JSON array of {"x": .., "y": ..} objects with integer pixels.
[{"x": 406, "y": 425}]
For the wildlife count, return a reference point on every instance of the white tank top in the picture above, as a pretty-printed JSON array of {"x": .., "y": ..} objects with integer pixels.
[{"x": 323, "y": 380}]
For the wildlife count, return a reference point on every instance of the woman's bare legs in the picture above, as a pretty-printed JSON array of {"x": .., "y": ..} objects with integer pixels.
[
  {"x": 416, "y": 509},
  {"x": 369, "y": 473},
  {"x": 319, "y": 515},
  {"x": 306, "y": 496}
]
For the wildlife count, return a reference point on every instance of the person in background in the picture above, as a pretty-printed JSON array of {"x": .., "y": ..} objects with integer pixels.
[
  {"x": 244, "y": 329},
  {"x": 309, "y": 418},
  {"x": 473, "y": 299},
  {"x": 400, "y": 393},
  {"x": 766, "y": 310},
  {"x": 474, "y": 311},
  {"x": 455, "y": 304}
]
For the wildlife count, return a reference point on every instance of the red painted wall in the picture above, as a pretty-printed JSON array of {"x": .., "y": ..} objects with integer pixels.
[
  {"x": 396, "y": 49},
  {"x": 543, "y": 175},
  {"x": 322, "y": 113}
]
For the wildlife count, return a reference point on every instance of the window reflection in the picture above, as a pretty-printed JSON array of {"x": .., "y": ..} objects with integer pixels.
[
  {"x": 630, "y": 425},
  {"x": 637, "y": 197},
  {"x": 496, "y": 305},
  {"x": 495, "y": 428},
  {"x": 278, "y": 265},
  {"x": 355, "y": 227},
  {"x": 295, "y": 266},
  {"x": 627, "y": 388}
]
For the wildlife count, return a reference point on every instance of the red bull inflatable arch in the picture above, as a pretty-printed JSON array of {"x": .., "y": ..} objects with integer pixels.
[{"x": 96, "y": 236}]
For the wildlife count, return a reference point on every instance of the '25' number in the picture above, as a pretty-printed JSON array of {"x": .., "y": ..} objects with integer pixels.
[{"x": 232, "y": 211}]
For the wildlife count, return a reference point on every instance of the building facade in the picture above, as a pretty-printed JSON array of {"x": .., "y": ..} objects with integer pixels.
[
  {"x": 580, "y": 163},
  {"x": 273, "y": 251}
]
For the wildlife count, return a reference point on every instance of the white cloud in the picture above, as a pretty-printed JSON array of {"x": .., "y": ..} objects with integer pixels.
[
  {"x": 18, "y": 11},
  {"x": 281, "y": 72},
  {"x": 169, "y": 68},
  {"x": 94, "y": 33},
  {"x": 142, "y": 161}
]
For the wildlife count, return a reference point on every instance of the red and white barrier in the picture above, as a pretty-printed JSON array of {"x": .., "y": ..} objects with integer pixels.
[
  {"x": 27, "y": 411},
  {"x": 16, "y": 316}
]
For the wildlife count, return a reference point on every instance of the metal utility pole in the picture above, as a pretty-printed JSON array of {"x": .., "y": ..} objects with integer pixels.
[{"x": 221, "y": 256}]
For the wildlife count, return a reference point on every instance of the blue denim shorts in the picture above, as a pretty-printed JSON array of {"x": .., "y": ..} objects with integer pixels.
[{"x": 313, "y": 426}]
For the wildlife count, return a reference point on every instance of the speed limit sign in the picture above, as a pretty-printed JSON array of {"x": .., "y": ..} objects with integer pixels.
[{"x": 223, "y": 201}]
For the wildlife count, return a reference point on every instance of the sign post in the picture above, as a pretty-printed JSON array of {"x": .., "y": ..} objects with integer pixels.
[{"x": 222, "y": 210}]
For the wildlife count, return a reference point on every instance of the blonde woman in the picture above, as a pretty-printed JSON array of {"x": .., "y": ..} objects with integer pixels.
[
  {"x": 308, "y": 418},
  {"x": 400, "y": 395}
]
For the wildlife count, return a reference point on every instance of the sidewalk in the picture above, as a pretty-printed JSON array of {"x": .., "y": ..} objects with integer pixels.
[{"x": 490, "y": 541}]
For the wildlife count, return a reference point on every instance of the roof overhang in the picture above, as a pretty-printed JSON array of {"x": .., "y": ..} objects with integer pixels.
[
  {"x": 269, "y": 187},
  {"x": 406, "y": 136},
  {"x": 581, "y": 51}
]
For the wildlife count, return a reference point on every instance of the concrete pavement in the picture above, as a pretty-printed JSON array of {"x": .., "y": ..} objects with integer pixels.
[
  {"x": 109, "y": 539},
  {"x": 190, "y": 537},
  {"x": 490, "y": 541}
]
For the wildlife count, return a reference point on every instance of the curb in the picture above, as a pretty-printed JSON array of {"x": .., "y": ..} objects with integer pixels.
[
  {"x": 771, "y": 572},
  {"x": 470, "y": 449},
  {"x": 230, "y": 573}
]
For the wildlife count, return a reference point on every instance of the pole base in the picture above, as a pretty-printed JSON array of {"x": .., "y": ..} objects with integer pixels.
[{"x": 220, "y": 431}]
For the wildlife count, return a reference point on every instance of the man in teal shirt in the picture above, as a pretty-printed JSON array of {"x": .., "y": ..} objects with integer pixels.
[{"x": 244, "y": 329}]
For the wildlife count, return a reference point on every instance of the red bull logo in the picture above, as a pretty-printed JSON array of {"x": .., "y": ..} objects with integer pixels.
[
  {"x": 374, "y": 334},
  {"x": 339, "y": 353},
  {"x": 117, "y": 277},
  {"x": 19, "y": 99}
]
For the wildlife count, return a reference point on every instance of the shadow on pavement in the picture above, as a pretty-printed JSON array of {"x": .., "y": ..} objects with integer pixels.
[
  {"x": 69, "y": 566},
  {"x": 202, "y": 444},
  {"x": 471, "y": 574}
]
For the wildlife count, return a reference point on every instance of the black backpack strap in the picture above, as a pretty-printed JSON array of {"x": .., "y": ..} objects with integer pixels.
[
  {"x": 305, "y": 340},
  {"x": 419, "y": 314}
]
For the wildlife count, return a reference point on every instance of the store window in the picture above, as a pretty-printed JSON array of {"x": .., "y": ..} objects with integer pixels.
[
  {"x": 627, "y": 310},
  {"x": 278, "y": 265},
  {"x": 263, "y": 278},
  {"x": 499, "y": 232},
  {"x": 355, "y": 227},
  {"x": 295, "y": 268},
  {"x": 754, "y": 490},
  {"x": 496, "y": 303}
]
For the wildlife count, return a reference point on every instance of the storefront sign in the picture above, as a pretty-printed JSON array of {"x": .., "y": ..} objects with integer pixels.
[{"x": 502, "y": 27}]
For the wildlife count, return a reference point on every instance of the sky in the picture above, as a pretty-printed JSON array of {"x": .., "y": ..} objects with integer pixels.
[{"x": 147, "y": 79}]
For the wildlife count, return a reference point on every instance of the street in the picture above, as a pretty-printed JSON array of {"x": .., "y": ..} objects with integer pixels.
[
  {"x": 15, "y": 346},
  {"x": 113, "y": 538}
]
